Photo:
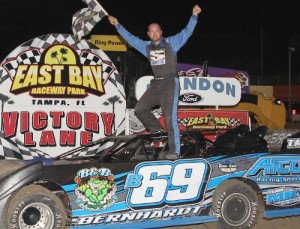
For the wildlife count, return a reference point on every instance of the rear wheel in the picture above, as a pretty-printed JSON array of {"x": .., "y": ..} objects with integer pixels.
[
  {"x": 236, "y": 205},
  {"x": 34, "y": 206}
]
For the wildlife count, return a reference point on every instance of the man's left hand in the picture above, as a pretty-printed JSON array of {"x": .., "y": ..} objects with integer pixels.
[{"x": 196, "y": 10}]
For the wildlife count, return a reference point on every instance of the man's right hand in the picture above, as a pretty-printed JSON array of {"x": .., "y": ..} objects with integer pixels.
[{"x": 113, "y": 20}]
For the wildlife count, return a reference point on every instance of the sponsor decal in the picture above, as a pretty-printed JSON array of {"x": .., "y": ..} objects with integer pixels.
[
  {"x": 189, "y": 119},
  {"x": 209, "y": 122},
  {"x": 161, "y": 190},
  {"x": 293, "y": 143},
  {"x": 283, "y": 197},
  {"x": 191, "y": 72},
  {"x": 275, "y": 170},
  {"x": 167, "y": 183},
  {"x": 190, "y": 98},
  {"x": 109, "y": 42},
  {"x": 228, "y": 166},
  {"x": 197, "y": 70},
  {"x": 205, "y": 84},
  {"x": 95, "y": 189},
  {"x": 211, "y": 88},
  {"x": 139, "y": 216},
  {"x": 276, "y": 138}
]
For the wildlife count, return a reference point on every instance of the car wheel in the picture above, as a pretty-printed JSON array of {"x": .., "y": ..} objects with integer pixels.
[
  {"x": 236, "y": 205},
  {"x": 34, "y": 206}
]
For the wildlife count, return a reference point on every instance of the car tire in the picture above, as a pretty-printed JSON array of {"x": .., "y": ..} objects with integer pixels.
[
  {"x": 34, "y": 206},
  {"x": 236, "y": 205}
]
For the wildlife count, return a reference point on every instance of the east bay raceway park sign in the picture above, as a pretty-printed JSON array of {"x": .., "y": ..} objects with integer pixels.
[{"x": 58, "y": 94}]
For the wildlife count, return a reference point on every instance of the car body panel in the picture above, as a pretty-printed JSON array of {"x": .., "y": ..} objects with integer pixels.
[{"x": 137, "y": 194}]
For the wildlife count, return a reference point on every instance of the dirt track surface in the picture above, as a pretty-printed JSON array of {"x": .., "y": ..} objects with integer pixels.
[{"x": 279, "y": 223}]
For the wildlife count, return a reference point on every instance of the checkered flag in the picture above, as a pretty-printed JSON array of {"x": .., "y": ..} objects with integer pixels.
[
  {"x": 84, "y": 20},
  {"x": 87, "y": 58},
  {"x": 31, "y": 56},
  {"x": 3, "y": 75},
  {"x": 15, "y": 149},
  {"x": 183, "y": 122},
  {"x": 234, "y": 122},
  {"x": 11, "y": 67}
]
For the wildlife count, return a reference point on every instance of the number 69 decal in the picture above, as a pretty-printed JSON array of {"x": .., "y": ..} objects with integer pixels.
[{"x": 155, "y": 184}]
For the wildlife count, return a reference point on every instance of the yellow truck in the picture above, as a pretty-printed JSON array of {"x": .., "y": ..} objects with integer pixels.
[{"x": 263, "y": 110}]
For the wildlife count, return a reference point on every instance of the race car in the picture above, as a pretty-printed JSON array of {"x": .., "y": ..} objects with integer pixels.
[
  {"x": 121, "y": 182},
  {"x": 60, "y": 93}
]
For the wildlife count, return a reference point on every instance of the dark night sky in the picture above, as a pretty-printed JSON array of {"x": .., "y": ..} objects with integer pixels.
[{"x": 229, "y": 32}]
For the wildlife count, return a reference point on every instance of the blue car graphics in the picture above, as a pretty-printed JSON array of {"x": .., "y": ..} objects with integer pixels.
[{"x": 168, "y": 193}]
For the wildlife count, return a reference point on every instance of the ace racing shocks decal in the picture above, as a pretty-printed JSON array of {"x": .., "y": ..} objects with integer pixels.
[
  {"x": 54, "y": 95},
  {"x": 275, "y": 170}
]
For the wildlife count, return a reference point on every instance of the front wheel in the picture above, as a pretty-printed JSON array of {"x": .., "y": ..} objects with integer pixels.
[
  {"x": 34, "y": 206},
  {"x": 236, "y": 205}
]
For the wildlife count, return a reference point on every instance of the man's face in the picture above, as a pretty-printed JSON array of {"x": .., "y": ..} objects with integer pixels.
[{"x": 154, "y": 32}]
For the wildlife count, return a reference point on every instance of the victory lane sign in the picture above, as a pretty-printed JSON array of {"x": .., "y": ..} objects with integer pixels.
[{"x": 58, "y": 93}]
